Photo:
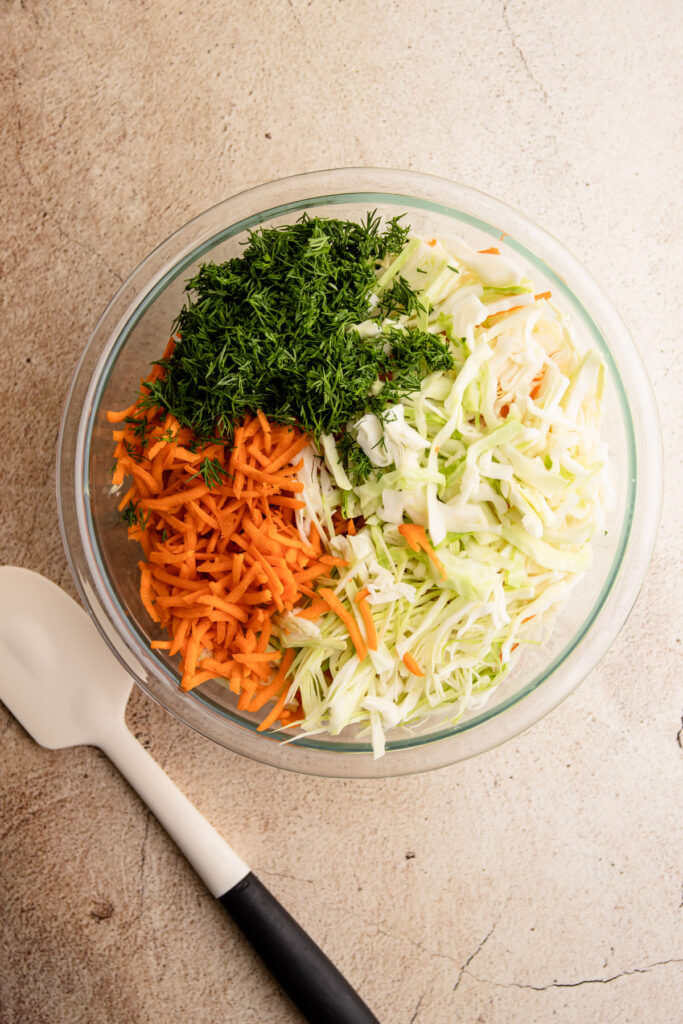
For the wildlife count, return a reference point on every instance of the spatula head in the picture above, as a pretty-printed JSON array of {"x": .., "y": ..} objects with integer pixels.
[{"x": 57, "y": 675}]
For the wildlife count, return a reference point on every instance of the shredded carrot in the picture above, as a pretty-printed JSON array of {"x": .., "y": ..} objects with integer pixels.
[
  {"x": 411, "y": 664},
  {"x": 535, "y": 388},
  {"x": 544, "y": 295},
  {"x": 492, "y": 251},
  {"x": 273, "y": 689},
  {"x": 119, "y": 417},
  {"x": 221, "y": 561},
  {"x": 370, "y": 630},
  {"x": 274, "y": 714},
  {"x": 146, "y": 592},
  {"x": 335, "y": 604},
  {"x": 503, "y": 312},
  {"x": 314, "y": 611},
  {"x": 126, "y": 498},
  {"x": 417, "y": 538}
]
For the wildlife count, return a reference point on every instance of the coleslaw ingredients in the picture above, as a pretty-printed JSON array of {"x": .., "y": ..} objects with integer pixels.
[
  {"x": 277, "y": 329},
  {"x": 223, "y": 555},
  {"x": 381, "y": 568}
]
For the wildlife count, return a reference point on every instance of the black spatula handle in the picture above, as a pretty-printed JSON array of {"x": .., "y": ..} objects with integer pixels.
[{"x": 308, "y": 977}]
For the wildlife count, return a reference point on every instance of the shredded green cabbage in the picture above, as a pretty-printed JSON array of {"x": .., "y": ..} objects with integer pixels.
[{"x": 500, "y": 460}]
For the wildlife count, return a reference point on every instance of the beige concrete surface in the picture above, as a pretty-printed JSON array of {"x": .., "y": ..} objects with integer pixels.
[{"x": 541, "y": 882}]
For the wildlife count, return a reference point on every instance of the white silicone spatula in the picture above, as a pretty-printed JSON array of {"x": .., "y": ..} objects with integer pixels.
[{"x": 61, "y": 681}]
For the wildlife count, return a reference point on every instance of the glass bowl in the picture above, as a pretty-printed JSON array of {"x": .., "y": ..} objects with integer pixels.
[{"x": 133, "y": 331}]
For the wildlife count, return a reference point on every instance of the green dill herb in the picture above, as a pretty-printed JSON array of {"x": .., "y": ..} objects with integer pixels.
[
  {"x": 132, "y": 452},
  {"x": 139, "y": 425},
  {"x": 211, "y": 471},
  {"x": 276, "y": 329},
  {"x": 400, "y": 298},
  {"x": 133, "y": 515},
  {"x": 358, "y": 465}
]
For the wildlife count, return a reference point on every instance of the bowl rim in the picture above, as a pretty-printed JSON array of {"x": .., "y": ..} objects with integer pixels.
[{"x": 136, "y": 295}]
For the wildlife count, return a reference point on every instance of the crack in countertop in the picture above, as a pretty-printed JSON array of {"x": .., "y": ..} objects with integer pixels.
[
  {"x": 576, "y": 984},
  {"x": 520, "y": 53},
  {"x": 477, "y": 951}
]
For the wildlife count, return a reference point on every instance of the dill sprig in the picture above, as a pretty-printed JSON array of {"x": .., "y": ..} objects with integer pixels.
[
  {"x": 133, "y": 514},
  {"x": 358, "y": 465},
  {"x": 211, "y": 471},
  {"x": 276, "y": 329}
]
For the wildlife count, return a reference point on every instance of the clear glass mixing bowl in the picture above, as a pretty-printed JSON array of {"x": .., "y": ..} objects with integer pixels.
[{"x": 133, "y": 331}]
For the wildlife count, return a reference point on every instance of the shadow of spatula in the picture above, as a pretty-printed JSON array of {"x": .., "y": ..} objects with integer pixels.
[{"x": 61, "y": 681}]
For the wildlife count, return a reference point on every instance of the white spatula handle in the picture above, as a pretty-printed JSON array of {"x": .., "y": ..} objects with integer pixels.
[
  {"x": 209, "y": 854},
  {"x": 310, "y": 979}
]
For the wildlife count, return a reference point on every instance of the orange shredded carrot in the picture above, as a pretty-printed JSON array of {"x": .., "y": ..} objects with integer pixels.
[
  {"x": 536, "y": 383},
  {"x": 282, "y": 481},
  {"x": 221, "y": 561},
  {"x": 265, "y": 427},
  {"x": 417, "y": 538},
  {"x": 314, "y": 611},
  {"x": 284, "y": 457},
  {"x": 175, "y": 499},
  {"x": 411, "y": 664},
  {"x": 274, "y": 714},
  {"x": 335, "y": 604},
  {"x": 119, "y": 417},
  {"x": 273, "y": 689},
  {"x": 146, "y": 592},
  {"x": 370, "y": 629},
  {"x": 286, "y": 502},
  {"x": 503, "y": 312},
  {"x": 254, "y": 657},
  {"x": 491, "y": 251},
  {"x": 126, "y": 498},
  {"x": 544, "y": 295}
]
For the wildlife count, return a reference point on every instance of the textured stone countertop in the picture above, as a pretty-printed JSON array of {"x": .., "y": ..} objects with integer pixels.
[{"x": 540, "y": 882}]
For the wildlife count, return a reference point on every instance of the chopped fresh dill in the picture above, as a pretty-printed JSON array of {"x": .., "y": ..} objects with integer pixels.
[
  {"x": 139, "y": 425},
  {"x": 133, "y": 515},
  {"x": 211, "y": 471},
  {"x": 275, "y": 329},
  {"x": 136, "y": 450},
  {"x": 358, "y": 465},
  {"x": 400, "y": 298}
]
